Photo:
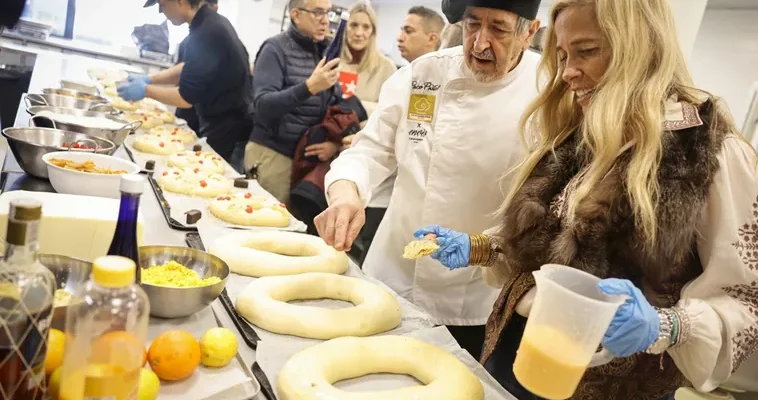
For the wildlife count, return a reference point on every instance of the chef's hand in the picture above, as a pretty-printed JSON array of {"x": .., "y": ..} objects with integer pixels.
[
  {"x": 132, "y": 91},
  {"x": 325, "y": 151},
  {"x": 341, "y": 223},
  {"x": 139, "y": 77},
  {"x": 455, "y": 247},
  {"x": 635, "y": 326},
  {"x": 324, "y": 76},
  {"x": 347, "y": 141}
]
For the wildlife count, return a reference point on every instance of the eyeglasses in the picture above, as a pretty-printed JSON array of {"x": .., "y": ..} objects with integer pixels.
[{"x": 317, "y": 13}]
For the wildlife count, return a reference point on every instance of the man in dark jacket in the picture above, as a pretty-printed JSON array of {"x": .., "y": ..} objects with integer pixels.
[{"x": 293, "y": 88}]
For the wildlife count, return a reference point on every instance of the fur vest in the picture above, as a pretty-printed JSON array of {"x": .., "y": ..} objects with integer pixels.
[{"x": 604, "y": 241}]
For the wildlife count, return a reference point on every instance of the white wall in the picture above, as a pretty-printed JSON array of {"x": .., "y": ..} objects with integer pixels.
[{"x": 725, "y": 58}]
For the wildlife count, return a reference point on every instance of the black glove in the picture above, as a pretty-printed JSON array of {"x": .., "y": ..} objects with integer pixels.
[{"x": 10, "y": 12}]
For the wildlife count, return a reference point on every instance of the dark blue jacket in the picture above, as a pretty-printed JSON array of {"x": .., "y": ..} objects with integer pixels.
[{"x": 284, "y": 108}]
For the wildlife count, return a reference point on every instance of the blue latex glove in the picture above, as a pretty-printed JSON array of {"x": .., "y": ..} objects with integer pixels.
[
  {"x": 139, "y": 77},
  {"x": 455, "y": 247},
  {"x": 635, "y": 326},
  {"x": 132, "y": 91}
]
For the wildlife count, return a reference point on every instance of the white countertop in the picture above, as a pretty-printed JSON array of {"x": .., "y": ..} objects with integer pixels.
[{"x": 49, "y": 69}]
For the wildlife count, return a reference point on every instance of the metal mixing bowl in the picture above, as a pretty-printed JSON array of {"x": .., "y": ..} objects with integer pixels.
[
  {"x": 74, "y": 93},
  {"x": 99, "y": 104},
  {"x": 28, "y": 145},
  {"x": 168, "y": 302},
  {"x": 116, "y": 136},
  {"x": 70, "y": 274}
]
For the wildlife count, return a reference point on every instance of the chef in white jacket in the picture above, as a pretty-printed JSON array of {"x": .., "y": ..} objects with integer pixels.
[{"x": 447, "y": 124}]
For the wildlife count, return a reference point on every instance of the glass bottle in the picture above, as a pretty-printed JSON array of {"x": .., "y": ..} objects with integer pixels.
[
  {"x": 106, "y": 328},
  {"x": 124, "y": 241},
  {"x": 335, "y": 47},
  {"x": 26, "y": 301}
]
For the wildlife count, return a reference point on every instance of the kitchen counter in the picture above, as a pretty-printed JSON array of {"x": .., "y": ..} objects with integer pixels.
[
  {"x": 48, "y": 70},
  {"x": 93, "y": 51}
]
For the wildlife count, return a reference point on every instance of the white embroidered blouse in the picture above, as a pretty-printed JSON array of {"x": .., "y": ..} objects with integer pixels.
[{"x": 722, "y": 303}]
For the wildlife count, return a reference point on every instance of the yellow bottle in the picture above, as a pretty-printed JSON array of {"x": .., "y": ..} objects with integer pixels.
[{"x": 106, "y": 327}]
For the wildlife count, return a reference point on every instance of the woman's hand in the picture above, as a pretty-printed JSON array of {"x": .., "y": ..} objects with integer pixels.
[
  {"x": 347, "y": 141},
  {"x": 324, "y": 151},
  {"x": 455, "y": 247},
  {"x": 635, "y": 326}
]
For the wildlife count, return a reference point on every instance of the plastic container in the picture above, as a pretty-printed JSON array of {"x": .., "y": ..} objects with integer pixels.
[
  {"x": 106, "y": 328},
  {"x": 567, "y": 321}
]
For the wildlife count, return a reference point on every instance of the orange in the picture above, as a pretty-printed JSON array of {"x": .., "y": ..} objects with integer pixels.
[
  {"x": 174, "y": 355},
  {"x": 118, "y": 347},
  {"x": 56, "y": 343}
]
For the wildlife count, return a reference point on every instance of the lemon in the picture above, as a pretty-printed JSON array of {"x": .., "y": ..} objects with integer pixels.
[
  {"x": 56, "y": 342},
  {"x": 54, "y": 385},
  {"x": 218, "y": 346},
  {"x": 149, "y": 385}
]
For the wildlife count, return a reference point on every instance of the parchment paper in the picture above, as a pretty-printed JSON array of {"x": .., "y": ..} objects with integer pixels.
[
  {"x": 180, "y": 204},
  {"x": 232, "y": 382},
  {"x": 141, "y": 158},
  {"x": 272, "y": 356},
  {"x": 413, "y": 318}
]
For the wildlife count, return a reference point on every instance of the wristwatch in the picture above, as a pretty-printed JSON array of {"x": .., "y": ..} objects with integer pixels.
[{"x": 663, "y": 341}]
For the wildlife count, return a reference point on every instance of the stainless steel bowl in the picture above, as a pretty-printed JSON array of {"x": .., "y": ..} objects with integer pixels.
[
  {"x": 70, "y": 274},
  {"x": 55, "y": 100},
  {"x": 116, "y": 136},
  {"x": 28, "y": 145},
  {"x": 168, "y": 302},
  {"x": 76, "y": 94}
]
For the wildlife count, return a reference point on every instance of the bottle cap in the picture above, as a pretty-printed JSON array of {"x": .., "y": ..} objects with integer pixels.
[
  {"x": 25, "y": 210},
  {"x": 113, "y": 271},
  {"x": 345, "y": 15},
  {"x": 132, "y": 183}
]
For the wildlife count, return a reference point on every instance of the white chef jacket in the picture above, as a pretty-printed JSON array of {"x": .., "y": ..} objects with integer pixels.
[{"x": 449, "y": 139}]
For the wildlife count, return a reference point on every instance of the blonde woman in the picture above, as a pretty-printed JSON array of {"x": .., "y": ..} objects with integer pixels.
[
  {"x": 642, "y": 180},
  {"x": 361, "y": 56}
]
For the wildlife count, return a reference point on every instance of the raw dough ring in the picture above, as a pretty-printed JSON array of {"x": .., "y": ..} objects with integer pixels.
[
  {"x": 264, "y": 303},
  {"x": 310, "y": 374},
  {"x": 267, "y": 253}
]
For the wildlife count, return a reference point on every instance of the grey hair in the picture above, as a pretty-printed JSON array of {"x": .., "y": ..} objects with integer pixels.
[
  {"x": 293, "y": 4},
  {"x": 522, "y": 25}
]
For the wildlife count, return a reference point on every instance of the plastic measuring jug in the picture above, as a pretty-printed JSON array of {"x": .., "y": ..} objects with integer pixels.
[{"x": 566, "y": 324}]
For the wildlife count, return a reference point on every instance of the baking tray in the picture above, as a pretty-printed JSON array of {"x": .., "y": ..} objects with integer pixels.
[
  {"x": 248, "y": 334},
  {"x": 178, "y": 204},
  {"x": 166, "y": 208}
]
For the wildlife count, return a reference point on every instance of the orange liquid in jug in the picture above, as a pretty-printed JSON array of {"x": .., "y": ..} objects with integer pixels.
[{"x": 549, "y": 364}]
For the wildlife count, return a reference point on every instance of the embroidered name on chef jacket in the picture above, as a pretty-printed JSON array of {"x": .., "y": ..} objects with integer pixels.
[{"x": 417, "y": 132}]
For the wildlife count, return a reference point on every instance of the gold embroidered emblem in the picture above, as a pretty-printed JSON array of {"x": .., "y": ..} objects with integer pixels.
[{"x": 421, "y": 107}]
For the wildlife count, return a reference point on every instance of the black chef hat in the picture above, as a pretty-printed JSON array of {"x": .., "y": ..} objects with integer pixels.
[
  {"x": 151, "y": 3},
  {"x": 10, "y": 12},
  {"x": 454, "y": 9}
]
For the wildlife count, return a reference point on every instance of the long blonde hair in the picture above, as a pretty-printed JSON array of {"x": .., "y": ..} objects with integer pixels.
[
  {"x": 646, "y": 68},
  {"x": 371, "y": 55}
]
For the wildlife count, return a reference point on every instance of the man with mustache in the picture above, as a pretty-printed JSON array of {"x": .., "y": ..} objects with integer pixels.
[{"x": 447, "y": 124}]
